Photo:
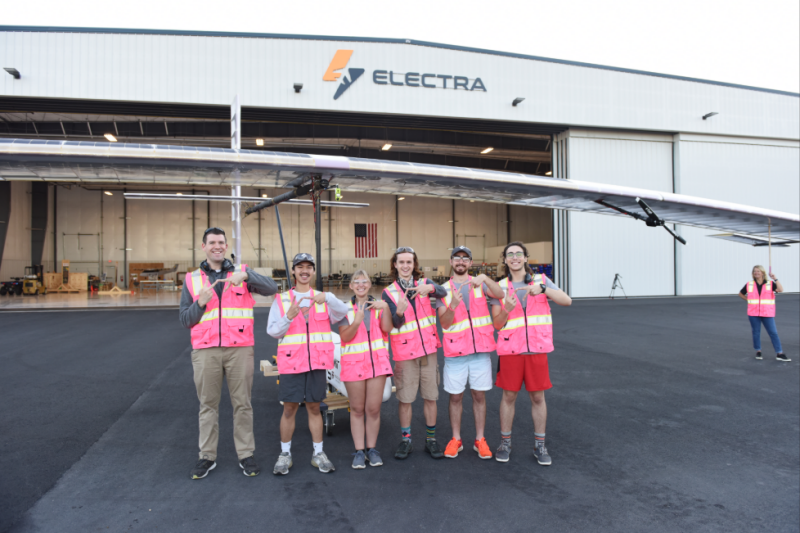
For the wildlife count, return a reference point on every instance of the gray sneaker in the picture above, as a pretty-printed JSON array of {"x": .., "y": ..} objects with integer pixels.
[
  {"x": 503, "y": 451},
  {"x": 283, "y": 465},
  {"x": 359, "y": 460},
  {"x": 322, "y": 462},
  {"x": 540, "y": 452},
  {"x": 374, "y": 457}
]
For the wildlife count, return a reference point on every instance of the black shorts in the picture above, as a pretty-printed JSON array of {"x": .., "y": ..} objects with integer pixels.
[{"x": 304, "y": 387}]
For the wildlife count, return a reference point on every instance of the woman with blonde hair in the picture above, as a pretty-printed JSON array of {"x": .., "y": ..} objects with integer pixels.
[
  {"x": 760, "y": 297},
  {"x": 365, "y": 365}
]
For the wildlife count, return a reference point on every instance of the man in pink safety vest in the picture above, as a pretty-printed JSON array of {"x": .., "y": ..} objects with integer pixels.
[
  {"x": 467, "y": 340},
  {"x": 760, "y": 297},
  {"x": 216, "y": 305},
  {"x": 414, "y": 342},
  {"x": 305, "y": 354},
  {"x": 525, "y": 337}
]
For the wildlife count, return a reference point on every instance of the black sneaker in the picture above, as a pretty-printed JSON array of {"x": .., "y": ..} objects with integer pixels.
[
  {"x": 758, "y": 355},
  {"x": 249, "y": 466},
  {"x": 782, "y": 357},
  {"x": 404, "y": 449},
  {"x": 202, "y": 468},
  {"x": 432, "y": 447}
]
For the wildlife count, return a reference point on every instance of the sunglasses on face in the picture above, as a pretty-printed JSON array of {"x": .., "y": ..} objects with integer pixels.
[
  {"x": 511, "y": 255},
  {"x": 405, "y": 250}
]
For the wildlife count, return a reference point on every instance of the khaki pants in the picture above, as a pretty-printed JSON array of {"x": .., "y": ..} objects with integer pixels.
[
  {"x": 411, "y": 376},
  {"x": 236, "y": 365}
]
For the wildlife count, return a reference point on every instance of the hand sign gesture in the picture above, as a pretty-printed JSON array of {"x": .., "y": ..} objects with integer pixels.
[
  {"x": 402, "y": 305},
  {"x": 207, "y": 292},
  {"x": 456, "y": 301},
  {"x": 510, "y": 301},
  {"x": 319, "y": 298},
  {"x": 534, "y": 290},
  {"x": 423, "y": 289},
  {"x": 294, "y": 309},
  {"x": 477, "y": 281},
  {"x": 378, "y": 305}
]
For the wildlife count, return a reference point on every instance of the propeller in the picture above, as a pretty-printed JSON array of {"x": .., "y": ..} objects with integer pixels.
[{"x": 652, "y": 220}]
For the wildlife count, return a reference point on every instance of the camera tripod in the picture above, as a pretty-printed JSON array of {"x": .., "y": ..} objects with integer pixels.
[{"x": 617, "y": 283}]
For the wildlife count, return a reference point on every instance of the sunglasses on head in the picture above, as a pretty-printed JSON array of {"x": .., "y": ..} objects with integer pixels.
[
  {"x": 405, "y": 250},
  {"x": 206, "y": 232},
  {"x": 304, "y": 257}
]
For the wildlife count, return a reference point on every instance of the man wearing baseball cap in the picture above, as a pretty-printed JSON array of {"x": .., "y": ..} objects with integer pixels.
[
  {"x": 467, "y": 340},
  {"x": 305, "y": 353}
]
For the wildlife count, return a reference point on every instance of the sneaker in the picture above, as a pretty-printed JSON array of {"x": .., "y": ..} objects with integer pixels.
[
  {"x": 453, "y": 447},
  {"x": 541, "y": 455},
  {"x": 359, "y": 460},
  {"x": 758, "y": 356},
  {"x": 404, "y": 449},
  {"x": 503, "y": 452},
  {"x": 432, "y": 447},
  {"x": 249, "y": 466},
  {"x": 482, "y": 448},
  {"x": 782, "y": 357},
  {"x": 374, "y": 457},
  {"x": 283, "y": 465},
  {"x": 202, "y": 468},
  {"x": 322, "y": 462}
]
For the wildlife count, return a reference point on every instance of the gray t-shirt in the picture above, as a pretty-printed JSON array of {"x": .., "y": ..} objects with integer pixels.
[
  {"x": 464, "y": 289},
  {"x": 523, "y": 296}
]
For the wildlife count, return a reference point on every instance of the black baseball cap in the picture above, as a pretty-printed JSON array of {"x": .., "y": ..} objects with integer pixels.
[
  {"x": 303, "y": 258},
  {"x": 461, "y": 249}
]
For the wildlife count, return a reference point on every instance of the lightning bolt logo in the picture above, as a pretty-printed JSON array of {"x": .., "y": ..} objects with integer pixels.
[{"x": 339, "y": 62}]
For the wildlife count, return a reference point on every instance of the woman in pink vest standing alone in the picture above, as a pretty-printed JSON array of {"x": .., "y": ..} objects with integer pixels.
[
  {"x": 760, "y": 297},
  {"x": 524, "y": 339},
  {"x": 365, "y": 365}
]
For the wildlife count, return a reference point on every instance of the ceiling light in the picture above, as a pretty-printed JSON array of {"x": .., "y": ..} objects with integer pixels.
[
  {"x": 517, "y": 100},
  {"x": 179, "y": 193},
  {"x": 386, "y": 147},
  {"x": 402, "y": 198},
  {"x": 14, "y": 72},
  {"x": 110, "y": 137},
  {"x": 472, "y": 201},
  {"x": 548, "y": 173},
  {"x": 708, "y": 115},
  {"x": 259, "y": 142},
  {"x": 487, "y": 150},
  {"x": 264, "y": 196},
  {"x": 109, "y": 193}
]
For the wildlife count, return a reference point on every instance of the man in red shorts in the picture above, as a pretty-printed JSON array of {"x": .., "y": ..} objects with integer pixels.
[{"x": 524, "y": 338}]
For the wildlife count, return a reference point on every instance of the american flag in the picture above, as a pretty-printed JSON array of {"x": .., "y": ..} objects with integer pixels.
[{"x": 366, "y": 240}]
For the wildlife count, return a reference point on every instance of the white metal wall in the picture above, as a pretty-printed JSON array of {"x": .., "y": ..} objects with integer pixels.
[
  {"x": 211, "y": 70},
  {"x": 602, "y": 246},
  {"x": 759, "y": 172}
]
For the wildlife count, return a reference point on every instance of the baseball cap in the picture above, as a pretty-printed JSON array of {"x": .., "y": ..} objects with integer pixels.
[
  {"x": 303, "y": 258},
  {"x": 461, "y": 249}
]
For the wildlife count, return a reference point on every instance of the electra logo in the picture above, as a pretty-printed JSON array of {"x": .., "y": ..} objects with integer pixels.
[
  {"x": 388, "y": 77},
  {"x": 340, "y": 61}
]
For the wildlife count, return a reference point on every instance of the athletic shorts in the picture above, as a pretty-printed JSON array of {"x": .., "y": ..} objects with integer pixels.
[
  {"x": 304, "y": 387},
  {"x": 531, "y": 368},
  {"x": 474, "y": 368},
  {"x": 411, "y": 376}
]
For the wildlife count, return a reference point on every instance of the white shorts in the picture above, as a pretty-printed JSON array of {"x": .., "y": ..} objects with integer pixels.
[{"x": 475, "y": 368}]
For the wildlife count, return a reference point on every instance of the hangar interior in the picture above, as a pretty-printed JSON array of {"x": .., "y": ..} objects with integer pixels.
[{"x": 99, "y": 231}]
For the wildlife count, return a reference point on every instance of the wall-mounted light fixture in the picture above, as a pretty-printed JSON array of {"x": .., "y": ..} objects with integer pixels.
[
  {"x": 14, "y": 72},
  {"x": 298, "y": 87},
  {"x": 517, "y": 100},
  {"x": 708, "y": 115}
]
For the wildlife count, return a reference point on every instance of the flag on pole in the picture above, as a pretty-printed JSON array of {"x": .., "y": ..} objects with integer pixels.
[{"x": 366, "y": 240}]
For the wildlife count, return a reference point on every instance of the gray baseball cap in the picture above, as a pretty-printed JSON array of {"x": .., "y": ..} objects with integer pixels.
[
  {"x": 303, "y": 258},
  {"x": 461, "y": 249}
]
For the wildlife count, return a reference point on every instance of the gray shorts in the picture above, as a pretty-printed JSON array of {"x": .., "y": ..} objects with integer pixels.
[{"x": 304, "y": 387}]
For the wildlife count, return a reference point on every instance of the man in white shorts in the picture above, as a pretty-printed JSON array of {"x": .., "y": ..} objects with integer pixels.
[{"x": 468, "y": 339}]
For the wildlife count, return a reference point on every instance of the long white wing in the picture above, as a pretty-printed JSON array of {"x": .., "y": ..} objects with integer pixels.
[{"x": 90, "y": 162}]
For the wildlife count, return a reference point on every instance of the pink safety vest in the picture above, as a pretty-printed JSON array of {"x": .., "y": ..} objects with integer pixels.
[
  {"x": 530, "y": 331},
  {"x": 235, "y": 327},
  {"x": 307, "y": 345},
  {"x": 367, "y": 354},
  {"x": 472, "y": 331},
  {"x": 760, "y": 304},
  {"x": 418, "y": 335}
]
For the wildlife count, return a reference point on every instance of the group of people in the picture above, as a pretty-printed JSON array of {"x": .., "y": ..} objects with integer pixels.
[{"x": 477, "y": 315}]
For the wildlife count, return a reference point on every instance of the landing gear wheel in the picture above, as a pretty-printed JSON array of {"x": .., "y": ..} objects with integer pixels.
[{"x": 329, "y": 422}]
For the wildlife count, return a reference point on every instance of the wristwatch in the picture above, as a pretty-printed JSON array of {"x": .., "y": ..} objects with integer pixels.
[{"x": 543, "y": 286}]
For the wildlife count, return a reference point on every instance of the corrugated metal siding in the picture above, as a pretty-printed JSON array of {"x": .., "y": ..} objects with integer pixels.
[
  {"x": 741, "y": 171},
  {"x": 210, "y": 70},
  {"x": 602, "y": 246}
]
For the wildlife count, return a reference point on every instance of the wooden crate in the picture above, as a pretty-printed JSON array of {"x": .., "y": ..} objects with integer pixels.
[{"x": 78, "y": 281}]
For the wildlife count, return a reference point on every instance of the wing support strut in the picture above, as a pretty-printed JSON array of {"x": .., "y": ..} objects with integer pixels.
[{"x": 652, "y": 220}]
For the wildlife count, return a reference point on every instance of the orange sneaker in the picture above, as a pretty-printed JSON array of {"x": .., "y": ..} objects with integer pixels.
[
  {"x": 482, "y": 448},
  {"x": 453, "y": 447}
]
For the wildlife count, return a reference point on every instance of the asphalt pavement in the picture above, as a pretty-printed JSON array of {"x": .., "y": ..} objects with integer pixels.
[{"x": 660, "y": 420}]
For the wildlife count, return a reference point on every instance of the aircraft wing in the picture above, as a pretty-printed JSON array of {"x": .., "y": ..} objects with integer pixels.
[{"x": 148, "y": 164}]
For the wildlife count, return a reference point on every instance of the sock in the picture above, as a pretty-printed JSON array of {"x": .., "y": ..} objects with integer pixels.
[
  {"x": 505, "y": 438},
  {"x": 317, "y": 447},
  {"x": 430, "y": 432},
  {"x": 286, "y": 447},
  {"x": 406, "y": 433},
  {"x": 539, "y": 439}
]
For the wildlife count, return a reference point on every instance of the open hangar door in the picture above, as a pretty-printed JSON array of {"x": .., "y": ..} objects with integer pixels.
[{"x": 431, "y": 225}]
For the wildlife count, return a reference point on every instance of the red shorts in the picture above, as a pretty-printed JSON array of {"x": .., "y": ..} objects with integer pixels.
[{"x": 531, "y": 368}]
